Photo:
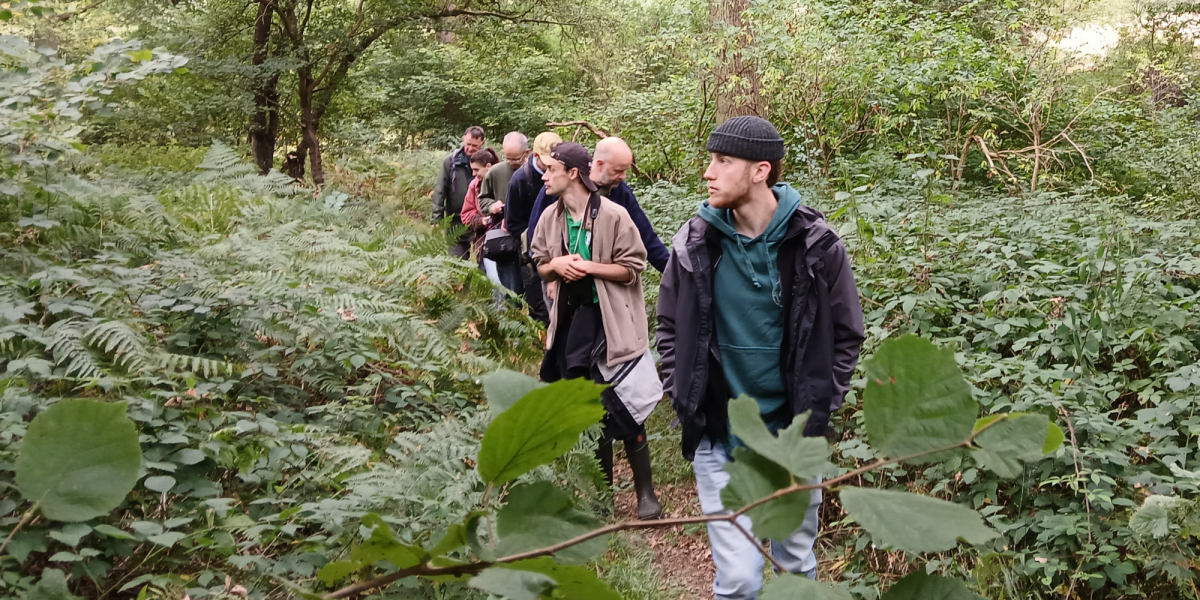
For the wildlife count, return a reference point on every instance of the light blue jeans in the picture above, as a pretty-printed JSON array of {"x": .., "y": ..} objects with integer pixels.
[{"x": 739, "y": 563}]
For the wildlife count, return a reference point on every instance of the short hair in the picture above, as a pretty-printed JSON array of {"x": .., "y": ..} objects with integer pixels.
[
  {"x": 485, "y": 156},
  {"x": 516, "y": 136},
  {"x": 475, "y": 131},
  {"x": 776, "y": 172}
]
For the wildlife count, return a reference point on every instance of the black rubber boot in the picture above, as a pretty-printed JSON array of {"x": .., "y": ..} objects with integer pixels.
[
  {"x": 638, "y": 452},
  {"x": 604, "y": 454}
]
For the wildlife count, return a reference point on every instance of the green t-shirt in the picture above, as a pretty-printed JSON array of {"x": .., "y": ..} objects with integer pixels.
[{"x": 577, "y": 243}]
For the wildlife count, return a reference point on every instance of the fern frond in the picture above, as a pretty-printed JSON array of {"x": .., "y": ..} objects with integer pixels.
[
  {"x": 194, "y": 364},
  {"x": 118, "y": 339},
  {"x": 221, "y": 162},
  {"x": 68, "y": 349}
]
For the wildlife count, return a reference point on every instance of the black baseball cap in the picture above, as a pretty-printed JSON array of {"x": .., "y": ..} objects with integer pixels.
[{"x": 575, "y": 156}]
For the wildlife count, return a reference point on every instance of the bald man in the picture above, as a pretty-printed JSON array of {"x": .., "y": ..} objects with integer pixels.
[
  {"x": 610, "y": 165},
  {"x": 494, "y": 188}
]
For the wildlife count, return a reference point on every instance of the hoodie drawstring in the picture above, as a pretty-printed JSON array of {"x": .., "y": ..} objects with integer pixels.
[
  {"x": 776, "y": 283},
  {"x": 749, "y": 263}
]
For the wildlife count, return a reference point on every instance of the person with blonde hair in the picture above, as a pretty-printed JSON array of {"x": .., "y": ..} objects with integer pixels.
[{"x": 522, "y": 193}]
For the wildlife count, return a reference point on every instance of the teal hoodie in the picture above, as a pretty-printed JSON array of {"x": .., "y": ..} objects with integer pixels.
[{"x": 749, "y": 310}]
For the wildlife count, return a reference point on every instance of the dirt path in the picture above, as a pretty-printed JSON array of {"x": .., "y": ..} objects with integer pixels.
[{"x": 681, "y": 555}]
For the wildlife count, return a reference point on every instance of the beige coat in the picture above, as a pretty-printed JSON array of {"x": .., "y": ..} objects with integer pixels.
[{"x": 615, "y": 240}]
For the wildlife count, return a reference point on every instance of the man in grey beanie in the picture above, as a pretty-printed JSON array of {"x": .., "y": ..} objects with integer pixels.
[{"x": 777, "y": 320}]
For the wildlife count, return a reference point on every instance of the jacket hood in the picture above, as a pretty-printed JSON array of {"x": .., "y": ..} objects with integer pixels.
[{"x": 771, "y": 237}]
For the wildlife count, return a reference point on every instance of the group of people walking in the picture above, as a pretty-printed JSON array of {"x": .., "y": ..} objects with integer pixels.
[{"x": 757, "y": 298}]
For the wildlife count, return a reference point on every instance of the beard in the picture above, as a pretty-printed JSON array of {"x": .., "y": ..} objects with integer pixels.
[{"x": 733, "y": 194}]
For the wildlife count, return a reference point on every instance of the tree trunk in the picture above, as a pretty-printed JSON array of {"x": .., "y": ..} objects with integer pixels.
[
  {"x": 737, "y": 85},
  {"x": 310, "y": 120},
  {"x": 264, "y": 123}
]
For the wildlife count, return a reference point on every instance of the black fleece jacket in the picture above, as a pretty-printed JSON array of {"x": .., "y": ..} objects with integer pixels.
[
  {"x": 823, "y": 326},
  {"x": 523, "y": 190}
]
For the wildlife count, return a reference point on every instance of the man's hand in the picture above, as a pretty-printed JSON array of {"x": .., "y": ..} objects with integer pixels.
[
  {"x": 568, "y": 267},
  {"x": 497, "y": 208},
  {"x": 606, "y": 271},
  {"x": 551, "y": 290}
]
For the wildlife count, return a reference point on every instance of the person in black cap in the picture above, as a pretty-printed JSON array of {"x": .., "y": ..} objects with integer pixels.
[
  {"x": 758, "y": 298},
  {"x": 590, "y": 249}
]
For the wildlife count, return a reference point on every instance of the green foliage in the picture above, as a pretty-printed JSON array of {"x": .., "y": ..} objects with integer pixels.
[
  {"x": 798, "y": 587},
  {"x": 503, "y": 388},
  {"x": 541, "y": 578},
  {"x": 921, "y": 586},
  {"x": 914, "y": 523},
  {"x": 803, "y": 457},
  {"x": 79, "y": 459},
  {"x": 752, "y": 477},
  {"x": 916, "y": 400},
  {"x": 293, "y": 365},
  {"x": 543, "y": 426},
  {"x": 53, "y": 586},
  {"x": 1015, "y": 439},
  {"x": 539, "y": 514}
]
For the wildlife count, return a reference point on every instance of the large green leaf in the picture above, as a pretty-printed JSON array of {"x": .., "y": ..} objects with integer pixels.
[
  {"x": 920, "y": 585},
  {"x": 916, "y": 399},
  {"x": 503, "y": 388},
  {"x": 538, "y": 515},
  {"x": 752, "y": 477},
  {"x": 79, "y": 459},
  {"x": 798, "y": 587},
  {"x": 512, "y": 584},
  {"x": 539, "y": 428},
  {"x": 1005, "y": 447},
  {"x": 804, "y": 457},
  {"x": 572, "y": 582},
  {"x": 912, "y": 522},
  {"x": 52, "y": 586}
]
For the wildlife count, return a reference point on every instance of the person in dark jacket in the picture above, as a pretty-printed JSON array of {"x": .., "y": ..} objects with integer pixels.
[
  {"x": 450, "y": 189},
  {"x": 523, "y": 189},
  {"x": 758, "y": 298},
  {"x": 611, "y": 164}
]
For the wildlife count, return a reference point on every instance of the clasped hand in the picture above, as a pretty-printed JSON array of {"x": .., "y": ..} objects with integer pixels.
[{"x": 572, "y": 267}]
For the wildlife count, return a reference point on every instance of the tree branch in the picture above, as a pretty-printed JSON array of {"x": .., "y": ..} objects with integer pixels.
[
  {"x": 429, "y": 570},
  {"x": 68, "y": 15},
  {"x": 598, "y": 133}
]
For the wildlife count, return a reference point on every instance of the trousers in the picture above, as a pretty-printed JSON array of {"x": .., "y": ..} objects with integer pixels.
[{"x": 739, "y": 564}]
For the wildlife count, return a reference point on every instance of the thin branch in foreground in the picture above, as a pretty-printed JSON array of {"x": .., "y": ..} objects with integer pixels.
[{"x": 429, "y": 570}]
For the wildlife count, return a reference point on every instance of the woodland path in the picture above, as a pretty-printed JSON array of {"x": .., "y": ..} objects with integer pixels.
[{"x": 682, "y": 557}]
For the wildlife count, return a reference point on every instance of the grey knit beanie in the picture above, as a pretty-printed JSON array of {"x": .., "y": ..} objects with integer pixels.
[{"x": 751, "y": 138}]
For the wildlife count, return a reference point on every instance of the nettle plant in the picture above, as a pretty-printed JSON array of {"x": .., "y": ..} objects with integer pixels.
[{"x": 529, "y": 540}]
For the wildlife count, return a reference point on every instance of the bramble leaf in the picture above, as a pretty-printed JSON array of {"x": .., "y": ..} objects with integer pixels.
[{"x": 912, "y": 522}]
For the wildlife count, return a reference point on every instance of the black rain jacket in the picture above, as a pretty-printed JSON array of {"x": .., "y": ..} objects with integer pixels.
[{"x": 823, "y": 326}]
